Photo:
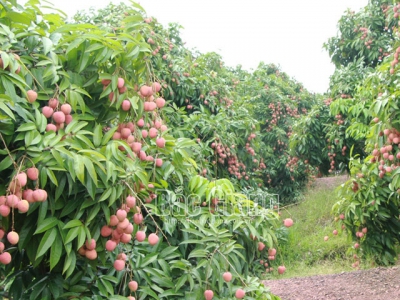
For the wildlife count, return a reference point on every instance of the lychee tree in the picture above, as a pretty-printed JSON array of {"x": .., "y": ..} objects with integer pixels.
[
  {"x": 219, "y": 107},
  {"x": 366, "y": 101},
  {"x": 369, "y": 201},
  {"x": 99, "y": 195}
]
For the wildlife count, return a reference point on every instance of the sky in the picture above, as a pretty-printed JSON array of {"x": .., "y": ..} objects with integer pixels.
[{"x": 288, "y": 33}]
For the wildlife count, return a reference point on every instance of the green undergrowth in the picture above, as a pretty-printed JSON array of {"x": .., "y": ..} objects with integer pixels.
[{"x": 304, "y": 252}]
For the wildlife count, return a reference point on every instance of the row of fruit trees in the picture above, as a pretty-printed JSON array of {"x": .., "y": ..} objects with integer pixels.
[{"x": 134, "y": 167}]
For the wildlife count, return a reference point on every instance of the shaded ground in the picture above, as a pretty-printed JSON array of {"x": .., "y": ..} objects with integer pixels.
[
  {"x": 372, "y": 284},
  {"x": 330, "y": 182}
]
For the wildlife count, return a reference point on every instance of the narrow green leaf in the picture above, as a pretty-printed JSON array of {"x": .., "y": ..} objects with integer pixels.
[
  {"x": 81, "y": 237},
  {"x": 149, "y": 259},
  {"x": 94, "y": 212},
  {"x": 8, "y": 111},
  {"x": 108, "y": 135},
  {"x": 97, "y": 135},
  {"x": 26, "y": 127},
  {"x": 47, "y": 240},
  {"x": 5, "y": 163},
  {"x": 56, "y": 251},
  {"x": 46, "y": 224},
  {"x": 79, "y": 168},
  {"x": 90, "y": 169},
  {"x": 52, "y": 177},
  {"x": 69, "y": 264},
  {"x": 72, "y": 234},
  {"x": 72, "y": 223},
  {"x": 108, "y": 286}
]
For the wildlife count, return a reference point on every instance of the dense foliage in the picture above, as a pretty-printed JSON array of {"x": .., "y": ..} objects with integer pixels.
[
  {"x": 361, "y": 128},
  {"x": 134, "y": 167}
]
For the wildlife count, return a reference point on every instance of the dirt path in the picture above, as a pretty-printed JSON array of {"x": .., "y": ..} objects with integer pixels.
[
  {"x": 330, "y": 182},
  {"x": 372, "y": 284}
]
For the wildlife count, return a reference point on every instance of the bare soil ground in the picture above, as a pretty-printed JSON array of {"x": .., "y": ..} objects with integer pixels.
[
  {"x": 330, "y": 182},
  {"x": 373, "y": 284}
]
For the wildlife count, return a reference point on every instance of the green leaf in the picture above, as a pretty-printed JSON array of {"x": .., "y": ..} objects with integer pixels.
[
  {"x": 46, "y": 224},
  {"x": 108, "y": 286},
  {"x": 75, "y": 126},
  {"x": 26, "y": 127},
  {"x": 47, "y": 240},
  {"x": 69, "y": 264},
  {"x": 90, "y": 168},
  {"x": 181, "y": 281},
  {"x": 97, "y": 135},
  {"x": 5, "y": 163},
  {"x": 108, "y": 135},
  {"x": 72, "y": 223},
  {"x": 52, "y": 177},
  {"x": 149, "y": 259},
  {"x": 64, "y": 84},
  {"x": 47, "y": 45},
  {"x": 167, "y": 251},
  {"x": 84, "y": 139},
  {"x": 93, "y": 213},
  {"x": 8, "y": 111},
  {"x": 102, "y": 288},
  {"x": 79, "y": 168},
  {"x": 81, "y": 237},
  {"x": 110, "y": 278},
  {"x": 56, "y": 251},
  {"x": 72, "y": 234},
  {"x": 105, "y": 194},
  {"x": 202, "y": 253}
]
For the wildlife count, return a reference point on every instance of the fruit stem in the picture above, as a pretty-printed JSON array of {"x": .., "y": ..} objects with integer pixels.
[
  {"x": 8, "y": 152},
  {"x": 149, "y": 214},
  {"x": 240, "y": 277},
  {"x": 30, "y": 73}
]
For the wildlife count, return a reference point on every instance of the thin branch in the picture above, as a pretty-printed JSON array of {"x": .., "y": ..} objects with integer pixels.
[
  {"x": 149, "y": 214},
  {"x": 8, "y": 152}
]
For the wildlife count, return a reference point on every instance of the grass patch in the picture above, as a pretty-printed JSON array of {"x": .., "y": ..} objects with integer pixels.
[{"x": 305, "y": 253}]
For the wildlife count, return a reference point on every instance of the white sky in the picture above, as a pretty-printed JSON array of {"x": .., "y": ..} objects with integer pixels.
[{"x": 289, "y": 33}]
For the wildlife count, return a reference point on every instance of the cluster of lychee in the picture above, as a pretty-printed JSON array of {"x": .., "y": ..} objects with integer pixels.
[
  {"x": 395, "y": 60},
  {"x": 121, "y": 90},
  {"x": 236, "y": 168},
  {"x": 134, "y": 137},
  {"x": 152, "y": 42},
  {"x": 221, "y": 151},
  {"x": 340, "y": 120},
  {"x": 396, "y": 9},
  {"x": 134, "y": 134},
  {"x": 12, "y": 237},
  {"x": 328, "y": 101},
  {"x": 250, "y": 149},
  {"x": 386, "y": 154},
  {"x": 276, "y": 115},
  {"x": 331, "y": 157},
  {"x": 292, "y": 163},
  {"x": 228, "y": 102},
  {"x": 119, "y": 230},
  {"x": 18, "y": 196},
  {"x": 344, "y": 96},
  {"x": 60, "y": 116},
  {"x": 148, "y": 93},
  {"x": 364, "y": 31}
]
